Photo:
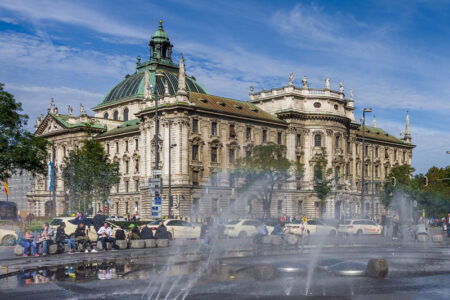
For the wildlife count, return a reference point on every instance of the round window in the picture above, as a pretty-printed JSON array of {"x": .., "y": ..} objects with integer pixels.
[
  {"x": 317, "y": 104},
  {"x": 336, "y": 107}
]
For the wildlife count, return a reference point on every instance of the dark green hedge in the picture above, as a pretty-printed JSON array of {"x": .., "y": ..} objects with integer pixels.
[{"x": 126, "y": 224}]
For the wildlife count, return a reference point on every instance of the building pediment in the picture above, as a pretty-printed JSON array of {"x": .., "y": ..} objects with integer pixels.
[{"x": 50, "y": 124}]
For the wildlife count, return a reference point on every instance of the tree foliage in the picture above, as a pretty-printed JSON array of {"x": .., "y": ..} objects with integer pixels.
[
  {"x": 403, "y": 183},
  {"x": 89, "y": 175},
  {"x": 19, "y": 149},
  {"x": 322, "y": 178},
  {"x": 266, "y": 168},
  {"x": 435, "y": 198}
]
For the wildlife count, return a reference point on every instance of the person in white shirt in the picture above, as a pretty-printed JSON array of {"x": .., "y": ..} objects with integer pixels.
[{"x": 105, "y": 235}]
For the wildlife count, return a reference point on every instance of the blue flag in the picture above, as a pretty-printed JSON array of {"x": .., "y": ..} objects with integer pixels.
[{"x": 51, "y": 176}]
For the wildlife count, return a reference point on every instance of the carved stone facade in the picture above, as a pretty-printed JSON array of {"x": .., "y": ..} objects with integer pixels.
[{"x": 205, "y": 134}]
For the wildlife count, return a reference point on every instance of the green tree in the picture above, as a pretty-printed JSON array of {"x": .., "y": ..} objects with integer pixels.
[
  {"x": 401, "y": 176},
  {"x": 435, "y": 197},
  {"x": 89, "y": 175},
  {"x": 263, "y": 170},
  {"x": 322, "y": 178},
  {"x": 19, "y": 149}
]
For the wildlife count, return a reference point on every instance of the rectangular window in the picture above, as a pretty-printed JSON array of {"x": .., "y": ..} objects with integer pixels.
[
  {"x": 231, "y": 154},
  {"x": 404, "y": 156},
  {"x": 214, "y": 154},
  {"x": 338, "y": 141},
  {"x": 298, "y": 158},
  {"x": 117, "y": 147},
  {"x": 367, "y": 149},
  {"x": 300, "y": 207},
  {"x": 194, "y": 152},
  {"x": 136, "y": 142},
  {"x": 395, "y": 154},
  {"x": 126, "y": 207},
  {"x": 280, "y": 206},
  {"x": 127, "y": 186},
  {"x": 126, "y": 146},
  {"x": 349, "y": 148},
  {"x": 195, "y": 178},
  {"x": 126, "y": 167},
  {"x": 386, "y": 153},
  {"x": 357, "y": 149},
  {"x": 376, "y": 171},
  {"x": 232, "y": 131},
  {"x": 376, "y": 151},
  {"x": 264, "y": 137},
  {"x": 299, "y": 183},
  {"x": 366, "y": 170},
  {"x": 248, "y": 153},
  {"x": 279, "y": 138},
  {"x": 117, "y": 187},
  {"x": 214, "y": 128},
  {"x": 248, "y": 134},
  {"x": 386, "y": 171},
  {"x": 136, "y": 166},
  {"x": 298, "y": 140},
  {"x": 107, "y": 148},
  {"x": 136, "y": 185},
  {"x": 195, "y": 126}
]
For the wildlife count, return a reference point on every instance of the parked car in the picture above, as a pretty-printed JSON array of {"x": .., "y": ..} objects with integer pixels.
[
  {"x": 178, "y": 229},
  {"x": 116, "y": 218},
  {"x": 7, "y": 237},
  {"x": 359, "y": 227},
  {"x": 243, "y": 228},
  {"x": 71, "y": 226},
  {"x": 312, "y": 227}
]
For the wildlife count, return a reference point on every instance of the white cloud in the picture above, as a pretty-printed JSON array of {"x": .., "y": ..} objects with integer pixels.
[{"x": 9, "y": 20}]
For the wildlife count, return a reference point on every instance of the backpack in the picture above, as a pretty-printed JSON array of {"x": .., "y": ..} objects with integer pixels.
[{"x": 120, "y": 235}]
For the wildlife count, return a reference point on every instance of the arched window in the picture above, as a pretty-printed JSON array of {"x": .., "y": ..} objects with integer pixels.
[
  {"x": 318, "y": 140},
  {"x": 106, "y": 115},
  {"x": 125, "y": 114},
  {"x": 116, "y": 115}
]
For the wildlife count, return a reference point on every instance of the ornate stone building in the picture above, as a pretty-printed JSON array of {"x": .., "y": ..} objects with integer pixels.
[{"x": 204, "y": 134}]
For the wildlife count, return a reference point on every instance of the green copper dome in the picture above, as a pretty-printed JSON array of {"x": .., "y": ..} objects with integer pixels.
[{"x": 160, "y": 35}]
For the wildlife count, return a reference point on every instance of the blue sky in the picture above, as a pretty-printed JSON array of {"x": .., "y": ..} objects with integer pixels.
[{"x": 393, "y": 54}]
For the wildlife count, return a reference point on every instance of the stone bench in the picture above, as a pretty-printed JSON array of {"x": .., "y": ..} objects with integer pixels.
[
  {"x": 137, "y": 244},
  {"x": 100, "y": 246},
  {"x": 276, "y": 240},
  {"x": 122, "y": 244},
  {"x": 162, "y": 243},
  {"x": 267, "y": 239},
  {"x": 151, "y": 243},
  {"x": 291, "y": 239},
  {"x": 437, "y": 238},
  {"x": 422, "y": 238}
]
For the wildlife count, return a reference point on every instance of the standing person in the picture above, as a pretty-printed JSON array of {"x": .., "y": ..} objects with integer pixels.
[
  {"x": 161, "y": 232},
  {"x": 146, "y": 233},
  {"x": 46, "y": 238},
  {"x": 105, "y": 234},
  {"x": 80, "y": 218},
  {"x": 81, "y": 237},
  {"x": 204, "y": 229},
  {"x": 98, "y": 220},
  {"x": 62, "y": 238},
  {"x": 25, "y": 239}
]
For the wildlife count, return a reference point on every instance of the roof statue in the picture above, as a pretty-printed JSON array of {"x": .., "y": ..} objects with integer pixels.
[
  {"x": 70, "y": 110},
  {"x": 138, "y": 60},
  {"x": 407, "y": 129},
  {"x": 341, "y": 87},
  {"x": 291, "y": 78},
  {"x": 147, "y": 90},
  {"x": 82, "y": 110},
  {"x": 374, "y": 121},
  {"x": 52, "y": 106},
  {"x": 327, "y": 83},
  {"x": 181, "y": 78},
  {"x": 351, "y": 93},
  {"x": 56, "y": 110},
  {"x": 305, "y": 82},
  {"x": 252, "y": 88}
]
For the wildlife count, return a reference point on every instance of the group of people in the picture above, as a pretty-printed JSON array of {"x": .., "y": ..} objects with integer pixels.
[{"x": 81, "y": 241}]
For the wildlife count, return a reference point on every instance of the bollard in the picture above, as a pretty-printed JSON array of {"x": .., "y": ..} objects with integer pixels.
[
  {"x": 377, "y": 268},
  {"x": 151, "y": 243},
  {"x": 100, "y": 246},
  {"x": 291, "y": 239},
  {"x": 122, "y": 244},
  {"x": 18, "y": 250},
  {"x": 137, "y": 244},
  {"x": 437, "y": 238},
  {"x": 276, "y": 240},
  {"x": 162, "y": 243},
  {"x": 52, "y": 249}
]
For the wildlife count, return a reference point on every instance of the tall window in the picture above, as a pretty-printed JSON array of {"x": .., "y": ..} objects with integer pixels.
[
  {"x": 279, "y": 138},
  {"x": 194, "y": 152},
  {"x": 117, "y": 187},
  {"x": 248, "y": 134},
  {"x": 386, "y": 153},
  {"x": 126, "y": 146},
  {"x": 116, "y": 115},
  {"x": 125, "y": 114},
  {"x": 195, "y": 126},
  {"x": 127, "y": 165},
  {"x": 395, "y": 154},
  {"x": 106, "y": 115},
  {"x": 376, "y": 151},
  {"x": 136, "y": 166},
  {"x": 231, "y": 154},
  {"x": 337, "y": 174},
  {"x": 298, "y": 140},
  {"x": 214, "y": 154},
  {"x": 264, "y": 137},
  {"x": 366, "y": 169},
  {"x": 376, "y": 171},
  {"x": 404, "y": 156},
  {"x": 280, "y": 206},
  {"x": 349, "y": 148},
  {"x": 338, "y": 141},
  {"x": 232, "y": 131},
  {"x": 347, "y": 169},
  {"x": 194, "y": 177},
  {"x": 107, "y": 148},
  {"x": 300, "y": 207},
  {"x": 137, "y": 144},
  {"x": 136, "y": 185},
  {"x": 117, "y": 147},
  {"x": 248, "y": 153},
  {"x": 214, "y": 128},
  {"x": 317, "y": 173},
  {"x": 318, "y": 140},
  {"x": 127, "y": 186}
]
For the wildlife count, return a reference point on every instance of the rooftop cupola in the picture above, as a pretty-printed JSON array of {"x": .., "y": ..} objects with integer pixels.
[{"x": 160, "y": 46}]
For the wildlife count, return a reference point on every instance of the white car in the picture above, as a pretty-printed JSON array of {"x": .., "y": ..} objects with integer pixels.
[
  {"x": 359, "y": 227},
  {"x": 312, "y": 227},
  {"x": 178, "y": 229},
  {"x": 243, "y": 228}
]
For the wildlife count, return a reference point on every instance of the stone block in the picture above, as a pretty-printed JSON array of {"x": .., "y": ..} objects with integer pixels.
[
  {"x": 151, "y": 243},
  {"x": 100, "y": 246},
  {"x": 18, "y": 250},
  {"x": 377, "y": 268},
  {"x": 137, "y": 244},
  {"x": 52, "y": 249},
  {"x": 276, "y": 240},
  {"x": 437, "y": 238},
  {"x": 422, "y": 238},
  {"x": 122, "y": 244},
  {"x": 162, "y": 243},
  {"x": 291, "y": 239},
  {"x": 267, "y": 239},
  {"x": 264, "y": 272}
]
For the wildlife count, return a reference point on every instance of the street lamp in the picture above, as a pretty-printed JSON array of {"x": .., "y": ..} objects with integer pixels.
[
  {"x": 366, "y": 110},
  {"x": 169, "y": 123}
]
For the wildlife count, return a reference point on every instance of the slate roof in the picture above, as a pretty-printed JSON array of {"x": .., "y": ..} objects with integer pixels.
[
  {"x": 128, "y": 126},
  {"x": 380, "y": 134}
]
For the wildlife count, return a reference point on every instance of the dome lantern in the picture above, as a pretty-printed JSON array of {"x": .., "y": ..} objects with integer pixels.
[{"x": 160, "y": 46}]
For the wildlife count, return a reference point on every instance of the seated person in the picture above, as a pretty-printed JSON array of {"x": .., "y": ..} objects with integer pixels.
[
  {"x": 46, "y": 238},
  {"x": 81, "y": 237},
  {"x": 134, "y": 234},
  {"x": 146, "y": 233},
  {"x": 161, "y": 232},
  {"x": 120, "y": 234},
  {"x": 62, "y": 238},
  {"x": 105, "y": 235},
  {"x": 278, "y": 230},
  {"x": 25, "y": 239}
]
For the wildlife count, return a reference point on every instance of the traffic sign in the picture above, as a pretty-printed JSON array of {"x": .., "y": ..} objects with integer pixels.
[
  {"x": 156, "y": 172},
  {"x": 157, "y": 200}
]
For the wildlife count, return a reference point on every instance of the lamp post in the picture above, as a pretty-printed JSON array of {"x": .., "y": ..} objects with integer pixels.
[
  {"x": 368, "y": 110},
  {"x": 169, "y": 124}
]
